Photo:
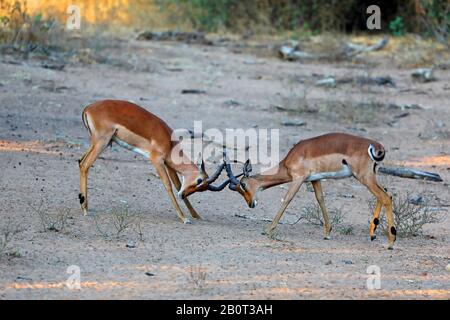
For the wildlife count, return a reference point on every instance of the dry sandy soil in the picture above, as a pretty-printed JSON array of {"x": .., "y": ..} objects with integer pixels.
[{"x": 223, "y": 256}]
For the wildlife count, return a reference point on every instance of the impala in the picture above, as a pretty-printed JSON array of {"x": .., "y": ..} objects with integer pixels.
[
  {"x": 138, "y": 130},
  {"x": 330, "y": 156}
]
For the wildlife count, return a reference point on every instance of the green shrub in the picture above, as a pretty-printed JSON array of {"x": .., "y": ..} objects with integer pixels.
[
  {"x": 397, "y": 27},
  {"x": 203, "y": 14},
  {"x": 436, "y": 19}
]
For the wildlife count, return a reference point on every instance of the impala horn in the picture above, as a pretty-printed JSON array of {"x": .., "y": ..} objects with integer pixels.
[
  {"x": 232, "y": 179},
  {"x": 215, "y": 176}
]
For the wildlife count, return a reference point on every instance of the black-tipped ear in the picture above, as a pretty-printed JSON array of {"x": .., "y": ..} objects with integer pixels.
[
  {"x": 247, "y": 167},
  {"x": 200, "y": 163}
]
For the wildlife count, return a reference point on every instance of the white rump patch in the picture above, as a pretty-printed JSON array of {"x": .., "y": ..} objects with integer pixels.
[{"x": 371, "y": 151}]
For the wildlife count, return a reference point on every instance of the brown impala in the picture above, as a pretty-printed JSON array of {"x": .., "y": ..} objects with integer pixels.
[
  {"x": 138, "y": 130},
  {"x": 330, "y": 156}
]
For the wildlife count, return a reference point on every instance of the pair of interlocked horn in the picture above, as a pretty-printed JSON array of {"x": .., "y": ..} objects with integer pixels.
[{"x": 232, "y": 179}]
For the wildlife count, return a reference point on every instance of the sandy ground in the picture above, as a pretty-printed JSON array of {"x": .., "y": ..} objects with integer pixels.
[{"x": 223, "y": 256}]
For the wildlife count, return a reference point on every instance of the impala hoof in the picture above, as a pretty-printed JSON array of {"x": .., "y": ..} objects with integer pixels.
[
  {"x": 85, "y": 211},
  {"x": 373, "y": 237},
  {"x": 327, "y": 238},
  {"x": 187, "y": 221},
  {"x": 390, "y": 247}
]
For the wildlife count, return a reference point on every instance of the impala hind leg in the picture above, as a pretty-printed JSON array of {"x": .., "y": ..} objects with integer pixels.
[
  {"x": 96, "y": 148},
  {"x": 176, "y": 181},
  {"x": 386, "y": 201},
  {"x": 375, "y": 220},
  {"x": 319, "y": 197},
  {"x": 296, "y": 184},
  {"x": 161, "y": 170}
]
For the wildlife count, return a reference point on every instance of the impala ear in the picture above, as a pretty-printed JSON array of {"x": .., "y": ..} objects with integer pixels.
[
  {"x": 200, "y": 163},
  {"x": 247, "y": 168}
]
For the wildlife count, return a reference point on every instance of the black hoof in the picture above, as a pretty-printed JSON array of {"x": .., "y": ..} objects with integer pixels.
[{"x": 373, "y": 237}]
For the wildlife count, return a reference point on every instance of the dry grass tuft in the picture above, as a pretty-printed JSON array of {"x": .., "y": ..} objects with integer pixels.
[
  {"x": 7, "y": 235},
  {"x": 197, "y": 277}
]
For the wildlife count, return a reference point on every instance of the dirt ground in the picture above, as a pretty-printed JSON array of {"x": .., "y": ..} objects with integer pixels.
[{"x": 225, "y": 255}]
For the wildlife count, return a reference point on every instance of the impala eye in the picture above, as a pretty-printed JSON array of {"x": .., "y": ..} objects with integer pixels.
[
  {"x": 243, "y": 186},
  {"x": 199, "y": 181}
]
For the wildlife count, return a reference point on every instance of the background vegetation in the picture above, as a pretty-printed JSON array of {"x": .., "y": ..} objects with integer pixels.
[{"x": 429, "y": 17}]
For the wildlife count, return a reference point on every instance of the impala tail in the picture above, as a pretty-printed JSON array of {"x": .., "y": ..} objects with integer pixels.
[
  {"x": 376, "y": 152},
  {"x": 85, "y": 122}
]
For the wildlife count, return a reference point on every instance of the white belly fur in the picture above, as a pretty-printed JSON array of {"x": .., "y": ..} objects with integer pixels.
[
  {"x": 346, "y": 172},
  {"x": 130, "y": 147}
]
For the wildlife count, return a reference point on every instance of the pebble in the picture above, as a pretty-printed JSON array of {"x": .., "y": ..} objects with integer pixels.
[
  {"x": 293, "y": 123},
  {"x": 416, "y": 200},
  {"x": 131, "y": 245}
]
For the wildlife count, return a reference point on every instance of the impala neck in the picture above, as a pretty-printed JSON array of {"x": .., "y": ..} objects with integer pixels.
[
  {"x": 182, "y": 165},
  {"x": 272, "y": 177}
]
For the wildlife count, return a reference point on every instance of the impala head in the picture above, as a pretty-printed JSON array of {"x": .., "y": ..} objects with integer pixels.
[
  {"x": 247, "y": 186},
  {"x": 197, "y": 180}
]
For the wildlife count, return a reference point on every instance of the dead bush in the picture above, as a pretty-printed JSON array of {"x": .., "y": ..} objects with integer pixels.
[
  {"x": 7, "y": 234},
  {"x": 119, "y": 220},
  {"x": 197, "y": 277},
  {"x": 51, "y": 219},
  {"x": 313, "y": 215}
]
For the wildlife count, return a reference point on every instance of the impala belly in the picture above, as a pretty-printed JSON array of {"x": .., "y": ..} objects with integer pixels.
[
  {"x": 128, "y": 140},
  {"x": 325, "y": 163},
  {"x": 130, "y": 147}
]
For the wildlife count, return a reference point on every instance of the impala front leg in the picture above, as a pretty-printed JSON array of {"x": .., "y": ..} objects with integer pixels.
[
  {"x": 161, "y": 170},
  {"x": 296, "y": 184},
  {"x": 98, "y": 144},
  {"x": 176, "y": 181},
  {"x": 319, "y": 196}
]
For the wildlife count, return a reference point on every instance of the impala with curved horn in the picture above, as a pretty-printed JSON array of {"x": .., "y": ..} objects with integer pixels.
[
  {"x": 330, "y": 156},
  {"x": 138, "y": 130}
]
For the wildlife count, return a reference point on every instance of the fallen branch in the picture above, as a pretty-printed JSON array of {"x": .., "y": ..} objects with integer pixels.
[
  {"x": 410, "y": 173},
  {"x": 352, "y": 49},
  {"x": 192, "y": 91},
  {"x": 187, "y": 37}
]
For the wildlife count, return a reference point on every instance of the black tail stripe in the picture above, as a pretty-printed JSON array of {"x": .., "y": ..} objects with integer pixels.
[{"x": 380, "y": 158}]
